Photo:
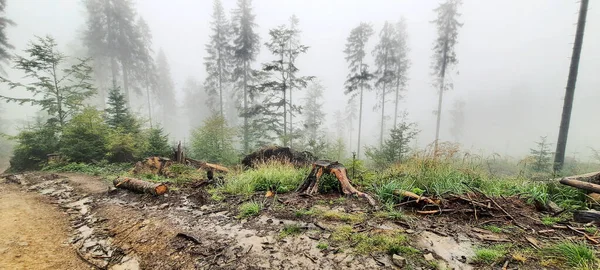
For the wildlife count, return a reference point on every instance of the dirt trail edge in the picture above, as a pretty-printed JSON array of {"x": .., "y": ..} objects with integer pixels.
[{"x": 116, "y": 229}]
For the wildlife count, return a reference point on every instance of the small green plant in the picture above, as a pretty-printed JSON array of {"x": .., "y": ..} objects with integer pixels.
[
  {"x": 249, "y": 209},
  {"x": 290, "y": 229},
  {"x": 280, "y": 178},
  {"x": 304, "y": 213},
  {"x": 591, "y": 230},
  {"x": 492, "y": 228},
  {"x": 322, "y": 246},
  {"x": 487, "y": 255},
  {"x": 576, "y": 254},
  {"x": 549, "y": 220}
]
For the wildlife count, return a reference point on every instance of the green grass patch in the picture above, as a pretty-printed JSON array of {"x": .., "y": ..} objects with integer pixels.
[
  {"x": 492, "y": 228},
  {"x": 104, "y": 169},
  {"x": 489, "y": 255},
  {"x": 249, "y": 209},
  {"x": 575, "y": 254},
  {"x": 345, "y": 217},
  {"x": 281, "y": 178},
  {"x": 305, "y": 213},
  {"x": 393, "y": 242},
  {"x": 549, "y": 220},
  {"x": 290, "y": 229},
  {"x": 591, "y": 230},
  {"x": 322, "y": 246}
]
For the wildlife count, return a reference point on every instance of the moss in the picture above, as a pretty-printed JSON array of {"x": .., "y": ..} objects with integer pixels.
[{"x": 249, "y": 209}]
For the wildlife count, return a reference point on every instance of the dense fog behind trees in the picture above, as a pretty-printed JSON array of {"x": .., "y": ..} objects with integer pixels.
[{"x": 506, "y": 86}]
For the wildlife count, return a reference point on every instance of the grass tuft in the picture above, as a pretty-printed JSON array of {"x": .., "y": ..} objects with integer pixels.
[
  {"x": 249, "y": 209},
  {"x": 322, "y": 246},
  {"x": 290, "y": 229},
  {"x": 277, "y": 177},
  {"x": 576, "y": 254}
]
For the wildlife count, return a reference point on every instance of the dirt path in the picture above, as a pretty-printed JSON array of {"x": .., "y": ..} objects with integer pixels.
[{"x": 33, "y": 233}]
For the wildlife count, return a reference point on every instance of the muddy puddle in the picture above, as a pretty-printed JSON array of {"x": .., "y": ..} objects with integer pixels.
[{"x": 454, "y": 253}]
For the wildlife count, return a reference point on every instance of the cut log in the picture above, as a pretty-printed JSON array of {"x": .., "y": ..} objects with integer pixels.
[
  {"x": 581, "y": 185},
  {"x": 586, "y": 216},
  {"x": 140, "y": 186},
  {"x": 409, "y": 194},
  {"x": 593, "y": 177},
  {"x": 310, "y": 185}
]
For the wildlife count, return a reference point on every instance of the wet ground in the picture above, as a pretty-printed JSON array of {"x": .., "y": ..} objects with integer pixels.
[{"x": 92, "y": 225}]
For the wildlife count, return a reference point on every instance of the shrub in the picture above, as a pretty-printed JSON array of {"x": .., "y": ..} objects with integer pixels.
[
  {"x": 33, "y": 146},
  {"x": 213, "y": 141},
  {"x": 267, "y": 176},
  {"x": 84, "y": 138},
  {"x": 122, "y": 146}
]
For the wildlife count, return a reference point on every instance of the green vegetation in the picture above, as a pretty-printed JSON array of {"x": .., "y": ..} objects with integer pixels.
[
  {"x": 290, "y": 229},
  {"x": 575, "y": 254},
  {"x": 213, "y": 142},
  {"x": 549, "y": 221},
  {"x": 365, "y": 243},
  {"x": 267, "y": 176},
  {"x": 249, "y": 209},
  {"x": 492, "y": 228},
  {"x": 322, "y": 246},
  {"x": 305, "y": 213},
  {"x": 489, "y": 255},
  {"x": 105, "y": 169}
]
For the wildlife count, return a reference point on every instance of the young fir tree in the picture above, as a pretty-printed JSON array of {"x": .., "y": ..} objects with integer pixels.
[
  {"x": 218, "y": 62},
  {"x": 444, "y": 55},
  {"x": 359, "y": 77},
  {"x": 396, "y": 148},
  {"x": 157, "y": 143},
  {"x": 60, "y": 91},
  {"x": 385, "y": 61},
  {"x": 5, "y": 46},
  {"x": 402, "y": 64},
  {"x": 282, "y": 75},
  {"x": 541, "y": 155},
  {"x": 246, "y": 46},
  {"x": 118, "y": 115}
]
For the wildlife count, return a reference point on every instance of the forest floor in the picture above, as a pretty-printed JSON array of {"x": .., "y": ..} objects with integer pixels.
[{"x": 78, "y": 221}]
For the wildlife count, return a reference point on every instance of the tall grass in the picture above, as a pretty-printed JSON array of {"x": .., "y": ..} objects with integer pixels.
[{"x": 277, "y": 177}]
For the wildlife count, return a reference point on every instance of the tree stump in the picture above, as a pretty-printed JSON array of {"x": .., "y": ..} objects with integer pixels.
[
  {"x": 140, "y": 186},
  {"x": 310, "y": 185}
]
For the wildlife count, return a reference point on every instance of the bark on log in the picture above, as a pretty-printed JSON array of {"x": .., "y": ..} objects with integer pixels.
[
  {"x": 310, "y": 185},
  {"x": 593, "y": 177},
  {"x": 581, "y": 185},
  {"x": 140, "y": 186},
  {"x": 586, "y": 216}
]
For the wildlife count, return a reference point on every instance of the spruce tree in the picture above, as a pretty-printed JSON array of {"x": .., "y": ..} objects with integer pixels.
[
  {"x": 359, "y": 77},
  {"x": 158, "y": 143},
  {"x": 246, "y": 46},
  {"x": 165, "y": 91},
  {"x": 541, "y": 155},
  {"x": 218, "y": 62},
  {"x": 402, "y": 64},
  {"x": 313, "y": 107},
  {"x": 385, "y": 61},
  {"x": 444, "y": 55},
  {"x": 5, "y": 46},
  {"x": 118, "y": 115}
]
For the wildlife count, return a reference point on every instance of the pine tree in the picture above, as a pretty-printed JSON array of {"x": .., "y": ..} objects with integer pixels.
[
  {"x": 314, "y": 115},
  {"x": 458, "y": 119},
  {"x": 444, "y": 55},
  {"x": 158, "y": 143},
  {"x": 118, "y": 115},
  {"x": 194, "y": 95},
  {"x": 146, "y": 70},
  {"x": 396, "y": 148},
  {"x": 59, "y": 91},
  {"x": 246, "y": 45},
  {"x": 293, "y": 44},
  {"x": 541, "y": 155},
  {"x": 218, "y": 62},
  {"x": 402, "y": 64},
  {"x": 385, "y": 60},
  {"x": 113, "y": 39},
  {"x": 282, "y": 75},
  {"x": 350, "y": 112},
  {"x": 359, "y": 78},
  {"x": 5, "y": 46},
  {"x": 213, "y": 141},
  {"x": 165, "y": 90}
]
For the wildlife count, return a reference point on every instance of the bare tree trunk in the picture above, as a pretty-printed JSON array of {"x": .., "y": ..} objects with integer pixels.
[
  {"x": 563, "y": 133},
  {"x": 396, "y": 103},
  {"x": 149, "y": 105},
  {"x": 382, "y": 116},
  {"x": 441, "y": 97},
  {"x": 126, "y": 84},
  {"x": 246, "y": 143}
]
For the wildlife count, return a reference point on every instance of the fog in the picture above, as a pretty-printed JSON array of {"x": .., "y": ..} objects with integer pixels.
[{"x": 513, "y": 60}]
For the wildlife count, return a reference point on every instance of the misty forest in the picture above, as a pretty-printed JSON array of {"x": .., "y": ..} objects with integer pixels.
[{"x": 240, "y": 134}]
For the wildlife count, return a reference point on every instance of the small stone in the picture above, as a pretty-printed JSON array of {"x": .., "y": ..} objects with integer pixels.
[
  {"x": 269, "y": 221},
  {"x": 429, "y": 257},
  {"x": 398, "y": 260},
  {"x": 409, "y": 231},
  {"x": 326, "y": 235},
  {"x": 163, "y": 206}
]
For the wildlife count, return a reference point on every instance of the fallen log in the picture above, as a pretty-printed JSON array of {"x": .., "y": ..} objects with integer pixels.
[
  {"x": 310, "y": 185},
  {"x": 140, "y": 186},
  {"x": 586, "y": 216},
  {"x": 581, "y": 185},
  {"x": 593, "y": 177},
  {"x": 418, "y": 198}
]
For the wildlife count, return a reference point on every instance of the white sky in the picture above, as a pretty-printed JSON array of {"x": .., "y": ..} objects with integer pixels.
[{"x": 513, "y": 58}]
